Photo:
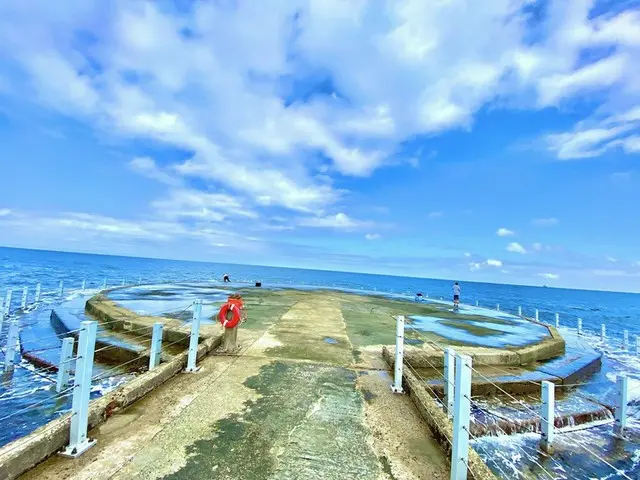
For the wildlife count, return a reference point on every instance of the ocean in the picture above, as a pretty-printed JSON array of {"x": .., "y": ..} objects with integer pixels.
[
  {"x": 619, "y": 311},
  {"x": 20, "y": 268}
]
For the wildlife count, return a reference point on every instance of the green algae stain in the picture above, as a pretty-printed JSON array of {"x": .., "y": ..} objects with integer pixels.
[{"x": 307, "y": 423}]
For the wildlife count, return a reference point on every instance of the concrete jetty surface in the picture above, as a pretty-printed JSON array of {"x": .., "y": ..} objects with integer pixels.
[{"x": 307, "y": 396}]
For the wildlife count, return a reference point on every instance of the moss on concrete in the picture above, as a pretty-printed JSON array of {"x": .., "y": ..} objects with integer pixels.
[{"x": 307, "y": 423}]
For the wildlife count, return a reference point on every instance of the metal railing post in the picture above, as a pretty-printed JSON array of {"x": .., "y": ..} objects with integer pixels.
[
  {"x": 194, "y": 337},
  {"x": 25, "y": 293},
  {"x": 399, "y": 361},
  {"x": 603, "y": 332},
  {"x": 579, "y": 326},
  {"x": 519, "y": 311},
  {"x": 449, "y": 380},
  {"x": 557, "y": 320},
  {"x": 461, "y": 417},
  {"x": 78, "y": 441},
  {"x": 622, "y": 398},
  {"x": 38, "y": 292},
  {"x": 84, "y": 285},
  {"x": 65, "y": 363},
  {"x": 156, "y": 346},
  {"x": 12, "y": 341},
  {"x": 7, "y": 303},
  {"x": 61, "y": 289},
  {"x": 537, "y": 315},
  {"x": 548, "y": 417}
]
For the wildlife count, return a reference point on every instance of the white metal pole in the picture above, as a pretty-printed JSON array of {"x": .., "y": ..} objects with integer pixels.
[
  {"x": 625, "y": 340},
  {"x": 461, "y": 416},
  {"x": 84, "y": 285},
  {"x": 498, "y": 307},
  {"x": 476, "y": 303},
  {"x": 78, "y": 441},
  {"x": 557, "y": 320},
  {"x": 38, "y": 292},
  {"x": 621, "y": 405},
  {"x": 61, "y": 289},
  {"x": 399, "y": 362},
  {"x": 156, "y": 346},
  {"x": 603, "y": 332},
  {"x": 194, "y": 337},
  {"x": 519, "y": 311},
  {"x": 12, "y": 341},
  {"x": 579, "y": 326},
  {"x": 548, "y": 416},
  {"x": 7, "y": 303},
  {"x": 537, "y": 315},
  {"x": 449, "y": 380},
  {"x": 65, "y": 363},
  {"x": 25, "y": 293}
]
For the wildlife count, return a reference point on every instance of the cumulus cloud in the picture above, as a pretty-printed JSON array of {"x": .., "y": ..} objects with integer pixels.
[
  {"x": 372, "y": 236},
  {"x": 393, "y": 70},
  {"x": 515, "y": 247},
  {"x": 550, "y": 276},
  {"x": 544, "y": 222},
  {"x": 505, "y": 232},
  {"x": 490, "y": 262},
  {"x": 337, "y": 221}
]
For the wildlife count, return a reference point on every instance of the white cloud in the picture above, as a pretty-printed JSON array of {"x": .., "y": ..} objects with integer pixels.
[
  {"x": 467, "y": 254},
  {"x": 186, "y": 203},
  {"x": 505, "y": 232},
  {"x": 588, "y": 143},
  {"x": 611, "y": 259},
  {"x": 550, "y": 276},
  {"x": 434, "y": 215},
  {"x": 537, "y": 246},
  {"x": 337, "y": 221},
  {"x": 545, "y": 222},
  {"x": 372, "y": 236},
  {"x": 214, "y": 83},
  {"x": 147, "y": 166},
  {"x": 4, "y": 212},
  {"x": 516, "y": 248},
  {"x": 490, "y": 262}
]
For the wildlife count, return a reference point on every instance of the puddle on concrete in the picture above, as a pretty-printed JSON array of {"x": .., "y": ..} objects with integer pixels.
[{"x": 506, "y": 331}]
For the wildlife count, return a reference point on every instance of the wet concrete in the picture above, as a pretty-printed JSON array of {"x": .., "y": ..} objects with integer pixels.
[{"x": 289, "y": 405}]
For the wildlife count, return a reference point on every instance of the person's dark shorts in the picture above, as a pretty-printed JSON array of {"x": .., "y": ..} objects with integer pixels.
[{"x": 456, "y": 298}]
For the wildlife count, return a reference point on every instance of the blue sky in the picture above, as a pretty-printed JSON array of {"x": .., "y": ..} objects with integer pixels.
[{"x": 491, "y": 141}]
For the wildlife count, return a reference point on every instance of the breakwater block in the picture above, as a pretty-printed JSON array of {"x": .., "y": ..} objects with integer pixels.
[
  {"x": 39, "y": 343},
  {"x": 574, "y": 366},
  {"x": 109, "y": 347}
]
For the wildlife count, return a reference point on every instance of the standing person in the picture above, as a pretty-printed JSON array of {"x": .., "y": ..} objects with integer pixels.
[
  {"x": 225, "y": 278},
  {"x": 456, "y": 295}
]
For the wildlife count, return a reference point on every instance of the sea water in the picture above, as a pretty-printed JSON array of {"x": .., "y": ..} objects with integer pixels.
[{"x": 619, "y": 311}]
